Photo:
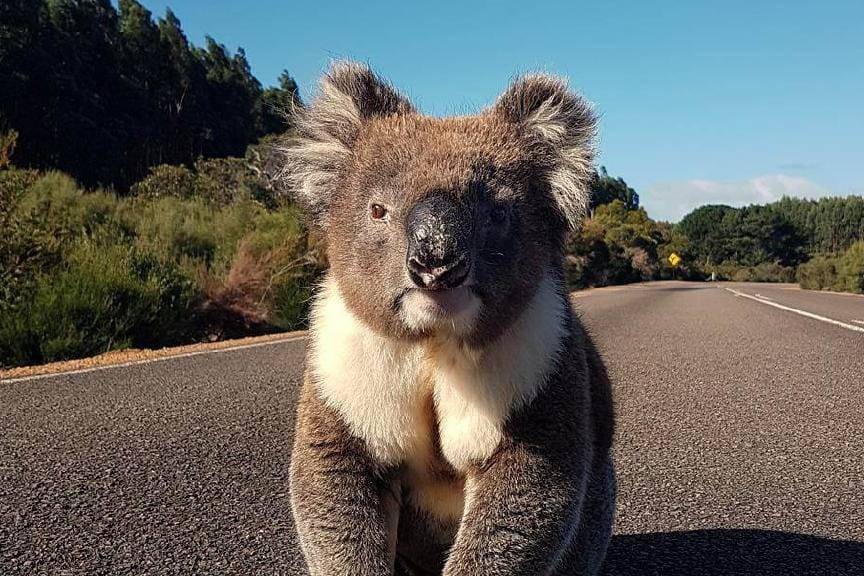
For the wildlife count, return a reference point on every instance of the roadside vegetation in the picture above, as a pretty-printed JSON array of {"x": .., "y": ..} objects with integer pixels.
[
  {"x": 87, "y": 271},
  {"x": 818, "y": 243},
  {"x": 136, "y": 208},
  {"x": 210, "y": 251}
]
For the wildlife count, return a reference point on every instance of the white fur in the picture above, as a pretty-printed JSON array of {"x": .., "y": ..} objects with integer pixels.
[
  {"x": 381, "y": 386},
  {"x": 422, "y": 315},
  {"x": 372, "y": 381},
  {"x": 477, "y": 390}
]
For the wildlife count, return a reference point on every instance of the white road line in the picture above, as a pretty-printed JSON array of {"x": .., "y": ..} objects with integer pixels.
[
  {"x": 150, "y": 360},
  {"x": 764, "y": 297},
  {"x": 858, "y": 322},
  {"x": 797, "y": 311}
]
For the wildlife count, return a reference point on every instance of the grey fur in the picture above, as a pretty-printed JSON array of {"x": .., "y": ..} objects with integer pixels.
[{"x": 542, "y": 501}]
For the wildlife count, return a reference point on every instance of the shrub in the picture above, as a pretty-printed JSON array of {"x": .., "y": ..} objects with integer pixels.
[
  {"x": 103, "y": 298},
  {"x": 82, "y": 272},
  {"x": 14, "y": 183},
  {"x": 173, "y": 227},
  {"x": 743, "y": 274},
  {"x": 819, "y": 273},
  {"x": 575, "y": 274},
  {"x": 222, "y": 181},
  {"x": 58, "y": 208},
  {"x": 772, "y": 272},
  {"x": 166, "y": 180},
  {"x": 762, "y": 272},
  {"x": 41, "y": 216},
  {"x": 291, "y": 303},
  {"x": 270, "y": 279},
  {"x": 725, "y": 270},
  {"x": 19, "y": 249},
  {"x": 8, "y": 141},
  {"x": 234, "y": 303},
  {"x": 191, "y": 229},
  {"x": 850, "y": 269},
  {"x": 642, "y": 262},
  {"x": 232, "y": 224}
]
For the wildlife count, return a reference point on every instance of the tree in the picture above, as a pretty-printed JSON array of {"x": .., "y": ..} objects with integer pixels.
[
  {"x": 279, "y": 104},
  {"x": 745, "y": 236},
  {"x": 105, "y": 93},
  {"x": 605, "y": 189},
  {"x": 705, "y": 230}
]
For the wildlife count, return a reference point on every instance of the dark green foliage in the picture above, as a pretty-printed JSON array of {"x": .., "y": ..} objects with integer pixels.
[
  {"x": 745, "y": 235},
  {"x": 605, "y": 189},
  {"x": 83, "y": 272},
  {"x": 844, "y": 272},
  {"x": 279, "y": 105},
  {"x": 102, "y": 298},
  {"x": 830, "y": 225},
  {"x": 616, "y": 245},
  {"x": 765, "y": 243},
  {"x": 104, "y": 94}
]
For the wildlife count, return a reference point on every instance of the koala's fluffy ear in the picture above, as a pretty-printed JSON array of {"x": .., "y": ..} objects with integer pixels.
[
  {"x": 349, "y": 94},
  {"x": 564, "y": 125}
]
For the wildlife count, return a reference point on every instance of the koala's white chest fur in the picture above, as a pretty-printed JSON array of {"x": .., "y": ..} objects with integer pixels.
[{"x": 393, "y": 394}]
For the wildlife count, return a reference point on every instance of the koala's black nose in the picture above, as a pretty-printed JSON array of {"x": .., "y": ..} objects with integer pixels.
[
  {"x": 439, "y": 236},
  {"x": 450, "y": 275}
]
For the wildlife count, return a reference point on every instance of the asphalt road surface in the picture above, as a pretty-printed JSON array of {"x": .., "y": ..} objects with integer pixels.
[{"x": 740, "y": 446}]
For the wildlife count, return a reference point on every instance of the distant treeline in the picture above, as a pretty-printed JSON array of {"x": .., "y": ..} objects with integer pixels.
[
  {"x": 104, "y": 94},
  {"x": 819, "y": 243},
  {"x": 789, "y": 231}
]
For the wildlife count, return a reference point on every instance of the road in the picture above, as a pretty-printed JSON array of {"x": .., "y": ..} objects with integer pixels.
[{"x": 740, "y": 446}]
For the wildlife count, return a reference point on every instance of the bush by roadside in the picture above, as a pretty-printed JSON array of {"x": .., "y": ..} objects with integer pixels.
[
  {"x": 85, "y": 271},
  {"x": 211, "y": 251},
  {"x": 762, "y": 272},
  {"x": 844, "y": 272},
  {"x": 100, "y": 298}
]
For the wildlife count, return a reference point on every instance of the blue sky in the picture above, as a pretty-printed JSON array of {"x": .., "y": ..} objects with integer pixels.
[{"x": 731, "y": 102}]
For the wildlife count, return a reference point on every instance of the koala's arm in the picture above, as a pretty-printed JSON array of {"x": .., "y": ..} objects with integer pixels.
[
  {"x": 343, "y": 505},
  {"x": 524, "y": 504}
]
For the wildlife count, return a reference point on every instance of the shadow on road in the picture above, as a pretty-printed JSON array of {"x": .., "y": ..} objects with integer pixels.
[{"x": 732, "y": 553}]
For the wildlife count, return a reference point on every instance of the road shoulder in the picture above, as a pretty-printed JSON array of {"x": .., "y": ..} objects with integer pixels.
[{"x": 130, "y": 357}]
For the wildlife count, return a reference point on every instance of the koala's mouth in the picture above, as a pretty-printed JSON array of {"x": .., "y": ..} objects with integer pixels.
[
  {"x": 453, "y": 308},
  {"x": 449, "y": 302}
]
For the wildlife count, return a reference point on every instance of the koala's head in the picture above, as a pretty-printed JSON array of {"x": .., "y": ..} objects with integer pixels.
[{"x": 441, "y": 225}]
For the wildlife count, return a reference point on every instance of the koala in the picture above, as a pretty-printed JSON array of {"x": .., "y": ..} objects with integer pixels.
[{"x": 455, "y": 416}]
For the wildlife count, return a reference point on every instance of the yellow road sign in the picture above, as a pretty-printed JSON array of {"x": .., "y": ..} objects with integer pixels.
[{"x": 674, "y": 260}]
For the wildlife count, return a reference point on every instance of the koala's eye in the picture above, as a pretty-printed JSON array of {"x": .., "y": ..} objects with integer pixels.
[{"x": 377, "y": 211}]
